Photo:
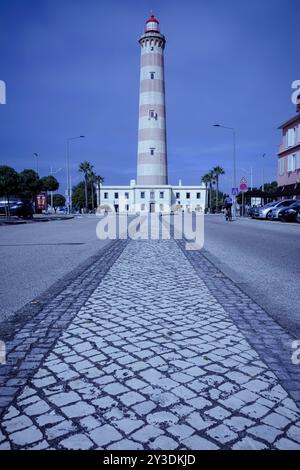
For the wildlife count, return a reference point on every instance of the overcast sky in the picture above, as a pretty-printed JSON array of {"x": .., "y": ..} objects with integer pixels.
[{"x": 71, "y": 67}]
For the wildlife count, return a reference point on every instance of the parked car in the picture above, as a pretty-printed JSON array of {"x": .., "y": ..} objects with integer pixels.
[
  {"x": 251, "y": 211},
  {"x": 264, "y": 211},
  {"x": 17, "y": 207},
  {"x": 291, "y": 213},
  {"x": 274, "y": 213}
]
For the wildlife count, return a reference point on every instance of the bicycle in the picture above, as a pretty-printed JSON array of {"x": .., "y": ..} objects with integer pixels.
[{"x": 228, "y": 214}]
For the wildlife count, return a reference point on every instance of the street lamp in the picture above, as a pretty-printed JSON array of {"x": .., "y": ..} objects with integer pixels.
[
  {"x": 69, "y": 199},
  {"x": 262, "y": 172},
  {"x": 36, "y": 156},
  {"x": 51, "y": 193},
  {"x": 234, "y": 163}
]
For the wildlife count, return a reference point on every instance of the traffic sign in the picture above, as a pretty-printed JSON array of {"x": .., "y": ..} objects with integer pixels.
[
  {"x": 243, "y": 185},
  {"x": 235, "y": 191}
]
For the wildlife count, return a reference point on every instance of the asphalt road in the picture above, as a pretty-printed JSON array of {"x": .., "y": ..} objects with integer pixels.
[
  {"x": 263, "y": 258},
  {"x": 36, "y": 255}
]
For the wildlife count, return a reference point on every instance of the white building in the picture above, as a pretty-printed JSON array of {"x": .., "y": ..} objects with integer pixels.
[{"x": 151, "y": 192}]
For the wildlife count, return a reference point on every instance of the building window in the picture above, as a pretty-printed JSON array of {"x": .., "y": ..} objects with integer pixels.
[
  {"x": 126, "y": 195},
  {"x": 161, "y": 194},
  {"x": 298, "y": 161},
  {"x": 116, "y": 195},
  {"x": 177, "y": 195},
  {"x": 143, "y": 207},
  {"x": 292, "y": 163},
  {"x": 152, "y": 114},
  {"x": 127, "y": 207},
  {"x": 152, "y": 195},
  {"x": 188, "y": 195},
  {"x": 152, "y": 151},
  {"x": 152, "y": 75},
  {"x": 291, "y": 137},
  {"x": 281, "y": 166},
  {"x": 142, "y": 195},
  {"x": 105, "y": 195},
  {"x": 161, "y": 207},
  {"x": 198, "y": 195}
]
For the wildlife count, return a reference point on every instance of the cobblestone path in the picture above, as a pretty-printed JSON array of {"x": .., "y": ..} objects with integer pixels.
[{"x": 151, "y": 360}]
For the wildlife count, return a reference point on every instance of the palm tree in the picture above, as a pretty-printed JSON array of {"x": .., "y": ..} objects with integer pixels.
[
  {"x": 85, "y": 168},
  {"x": 211, "y": 176},
  {"x": 206, "y": 180},
  {"x": 218, "y": 171},
  {"x": 98, "y": 180},
  {"x": 91, "y": 178}
]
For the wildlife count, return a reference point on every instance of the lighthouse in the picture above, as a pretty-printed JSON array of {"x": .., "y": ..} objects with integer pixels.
[
  {"x": 152, "y": 143},
  {"x": 151, "y": 191}
]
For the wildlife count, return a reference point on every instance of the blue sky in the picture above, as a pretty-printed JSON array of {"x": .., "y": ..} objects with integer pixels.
[{"x": 71, "y": 67}]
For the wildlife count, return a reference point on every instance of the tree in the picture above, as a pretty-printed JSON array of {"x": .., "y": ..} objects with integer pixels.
[
  {"x": 49, "y": 183},
  {"x": 58, "y": 200},
  {"x": 218, "y": 171},
  {"x": 209, "y": 179},
  {"x": 9, "y": 183},
  {"x": 30, "y": 184},
  {"x": 206, "y": 180},
  {"x": 85, "y": 168},
  {"x": 79, "y": 199},
  {"x": 270, "y": 187},
  {"x": 92, "y": 179},
  {"x": 98, "y": 180}
]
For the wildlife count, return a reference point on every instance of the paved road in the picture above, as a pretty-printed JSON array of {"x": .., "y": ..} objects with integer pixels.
[
  {"x": 263, "y": 259},
  {"x": 156, "y": 356},
  {"x": 35, "y": 256}
]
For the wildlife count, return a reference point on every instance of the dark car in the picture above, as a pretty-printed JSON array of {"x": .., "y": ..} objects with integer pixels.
[
  {"x": 291, "y": 213},
  {"x": 17, "y": 207}
]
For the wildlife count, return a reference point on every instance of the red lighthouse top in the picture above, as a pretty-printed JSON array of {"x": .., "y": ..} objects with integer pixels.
[{"x": 152, "y": 25}]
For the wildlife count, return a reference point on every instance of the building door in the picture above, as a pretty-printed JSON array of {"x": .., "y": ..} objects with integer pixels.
[{"x": 152, "y": 206}]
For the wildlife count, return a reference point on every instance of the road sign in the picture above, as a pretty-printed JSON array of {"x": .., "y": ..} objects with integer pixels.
[
  {"x": 243, "y": 185},
  {"x": 235, "y": 191},
  {"x": 41, "y": 201}
]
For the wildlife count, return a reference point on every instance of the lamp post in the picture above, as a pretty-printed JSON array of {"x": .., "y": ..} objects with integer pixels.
[
  {"x": 234, "y": 163},
  {"x": 69, "y": 197},
  {"x": 36, "y": 156},
  {"x": 51, "y": 193},
  {"x": 262, "y": 172}
]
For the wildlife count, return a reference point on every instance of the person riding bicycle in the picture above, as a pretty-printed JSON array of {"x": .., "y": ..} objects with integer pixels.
[{"x": 228, "y": 206}]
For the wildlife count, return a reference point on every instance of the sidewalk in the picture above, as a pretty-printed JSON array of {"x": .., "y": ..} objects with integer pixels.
[
  {"x": 13, "y": 220},
  {"x": 150, "y": 348}
]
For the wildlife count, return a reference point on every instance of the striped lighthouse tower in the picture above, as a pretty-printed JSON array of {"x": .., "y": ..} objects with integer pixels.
[{"x": 152, "y": 144}]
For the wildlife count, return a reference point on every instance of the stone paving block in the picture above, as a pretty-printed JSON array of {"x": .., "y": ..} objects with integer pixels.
[
  {"x": 286, "y": 444},
  {"x": 276, "y": 420},
  {"x": 37, "y": 408},
  {"x": 146, "y": 433},
  {"x": 265, "y": 432},
  {"x": 218, "y": 413},
  {"x": 16, "y": 424},
  {"x": 61, "y": 399},
  {"x": 78, "y": 410},
  {"x": 222, "y": 433},
  {"x": 164, "y": 443},
  {"x": 181, "y": 431},
  {"x": 199, "y": 443},
  {"x": 126, "y": 444},
  {"x": 294, "y": 433},
  {"x": 76, "y": 442},
  {"x": 104, "y": 435},
  {"x": 29, "y": 436}
]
